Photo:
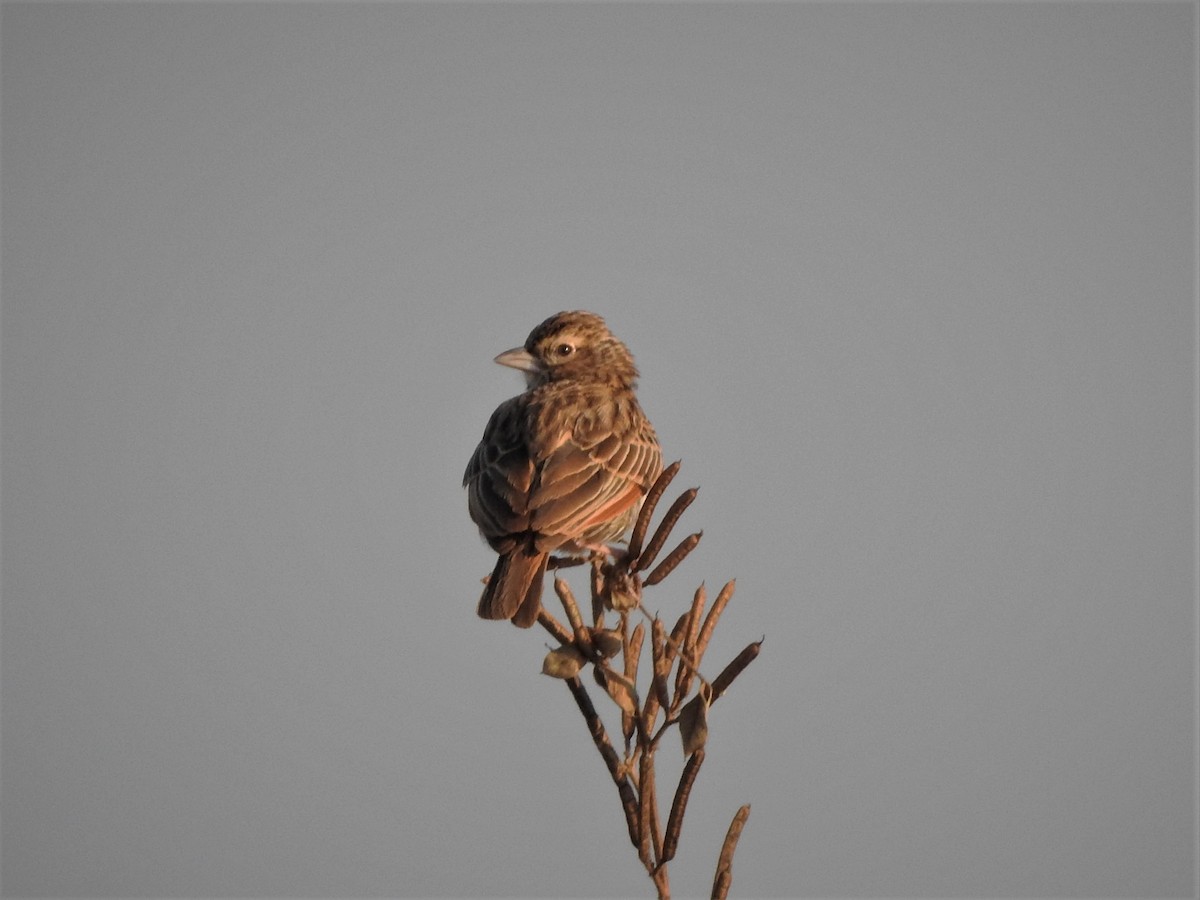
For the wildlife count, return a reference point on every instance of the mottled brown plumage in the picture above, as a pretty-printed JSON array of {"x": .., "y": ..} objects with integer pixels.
[{"x": 563, "y": 466}]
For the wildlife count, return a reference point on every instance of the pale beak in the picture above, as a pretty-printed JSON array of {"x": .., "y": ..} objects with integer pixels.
[{"x": 519, "y": 358}]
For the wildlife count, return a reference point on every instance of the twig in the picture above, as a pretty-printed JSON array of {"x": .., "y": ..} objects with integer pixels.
[
  {"x": 617, "y": 585},
  {"x": 629, "y": 800}
]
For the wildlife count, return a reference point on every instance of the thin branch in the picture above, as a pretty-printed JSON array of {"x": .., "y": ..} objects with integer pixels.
[
  {"x": 617, "y": 585},
  {"x": 629, "y": 800}
]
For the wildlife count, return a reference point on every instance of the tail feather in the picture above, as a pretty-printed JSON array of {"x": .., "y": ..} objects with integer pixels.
[{"x": 515, "y": 589}]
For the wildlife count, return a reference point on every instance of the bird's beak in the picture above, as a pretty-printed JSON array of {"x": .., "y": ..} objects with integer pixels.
[{"x": 519, "y": 358}]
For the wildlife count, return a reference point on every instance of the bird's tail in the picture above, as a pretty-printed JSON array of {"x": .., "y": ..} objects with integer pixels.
[{"x": 515, "y": 589}]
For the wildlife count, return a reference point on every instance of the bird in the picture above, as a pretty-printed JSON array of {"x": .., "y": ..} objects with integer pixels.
[{"x": 562, "y": 467}]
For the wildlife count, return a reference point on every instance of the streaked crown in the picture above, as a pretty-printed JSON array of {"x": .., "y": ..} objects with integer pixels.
[{"x": 578, "y": 345}]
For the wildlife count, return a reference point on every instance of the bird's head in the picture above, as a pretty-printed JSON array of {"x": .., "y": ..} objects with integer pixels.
[{"x": 572, "y": 345}]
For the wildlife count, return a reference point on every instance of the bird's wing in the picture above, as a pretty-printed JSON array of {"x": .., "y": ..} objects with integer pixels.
[
  {"x": 595, "y": 471},
  {"x": 499, "y": 476}
]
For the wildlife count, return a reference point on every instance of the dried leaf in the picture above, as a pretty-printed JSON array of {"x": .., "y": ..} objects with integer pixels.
[
  {"x": 621, "y": 689},
  {"x": 693, "y": 724}
]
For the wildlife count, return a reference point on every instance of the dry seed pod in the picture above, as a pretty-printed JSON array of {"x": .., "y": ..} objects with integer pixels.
[
  {"x": 607, "y": 641},
  {"x": 646, "y": 559},
  {"x": 693, "y": 724},
  {"x": 721, "y": 683},
  {"x": 714, "y": 614},
  {"x": 685, "y": 672},
  {"x": 675, "y": 822},
  {"x": 724, "y": 876},
  {"x": 555, "y": 627},
  {"x": 662, "y": 663},
  {"x": 563, "y": 662},
  {"x": 673, "y": 559},
  {"x": 569, "y": 605},
  {"x": 652, "y": 497},
  {"x": 622, "y": 591},
  {"x": 634, "y": 654}
]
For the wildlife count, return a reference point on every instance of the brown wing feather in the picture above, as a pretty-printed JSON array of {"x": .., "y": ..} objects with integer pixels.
[
  {"x": 599, "y": 470},
  {"x": 499, "y": 477}
]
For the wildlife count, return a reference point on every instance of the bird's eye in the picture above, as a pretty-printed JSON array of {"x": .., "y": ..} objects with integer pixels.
[{"x": 562, "y": 351}]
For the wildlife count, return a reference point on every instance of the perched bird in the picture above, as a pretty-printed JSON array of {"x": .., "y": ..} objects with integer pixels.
[{"x": 563, "y": 466}]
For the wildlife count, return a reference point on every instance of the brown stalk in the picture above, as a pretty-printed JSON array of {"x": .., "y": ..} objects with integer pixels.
[
  {"x": 597, "y": 590},
  {"x": 629, "y": 800},
  {"x": 616, "y": 585}
]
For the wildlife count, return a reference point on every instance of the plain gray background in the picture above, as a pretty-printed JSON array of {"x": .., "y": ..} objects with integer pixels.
[{"x": 911, "y": 288}]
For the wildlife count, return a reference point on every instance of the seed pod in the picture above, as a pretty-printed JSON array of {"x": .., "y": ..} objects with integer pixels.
[
  {"x": 607, "y": 641},
  {"x": 721, "y": 683},
  {"x": 563, "y": 662},
  {"x": 622, "y": 590}
]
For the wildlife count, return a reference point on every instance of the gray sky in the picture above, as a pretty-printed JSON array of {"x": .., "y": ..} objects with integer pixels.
[{"x": 912, "y": 291}]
